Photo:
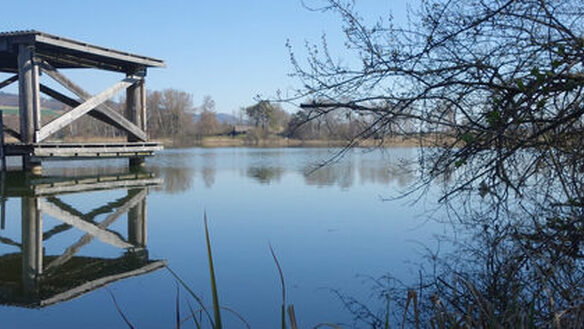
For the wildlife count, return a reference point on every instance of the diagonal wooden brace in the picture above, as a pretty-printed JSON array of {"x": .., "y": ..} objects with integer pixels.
[
  {"x": 106, "y": 113},
  {"x": 112, "y": 120},
  {"x": 67, "y": 118},
  {"x": 87, "y": 238},
  {"x": 101, "y": 233},
  {"x": 9, "y": 81}
]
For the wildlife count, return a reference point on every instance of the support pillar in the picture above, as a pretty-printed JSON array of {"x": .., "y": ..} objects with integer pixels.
[
  {"x": 137, "y": 223},
  {"x": 29, "y": 94},
  {"x": 136, "y": 113},
  {"x": 32, "y": 165},
  {"x": 32, "y": 246}
]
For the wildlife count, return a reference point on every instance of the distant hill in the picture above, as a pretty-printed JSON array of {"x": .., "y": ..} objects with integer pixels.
[
  {"x": 222, "y": 118},
  {"x": 10, "y": 102}
]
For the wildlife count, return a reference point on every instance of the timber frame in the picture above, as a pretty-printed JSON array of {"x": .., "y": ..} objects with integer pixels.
[
  {"x": 33, "y": 278},
  {"x": 28, "y": 54}
]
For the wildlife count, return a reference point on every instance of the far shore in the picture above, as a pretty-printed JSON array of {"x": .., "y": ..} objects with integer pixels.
[{"x": 270, "y": 142}]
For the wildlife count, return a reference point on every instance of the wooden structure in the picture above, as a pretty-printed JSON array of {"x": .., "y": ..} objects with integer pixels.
[
  {"x": 30, "y": 278},
  {"x": 28, "y": 54}
]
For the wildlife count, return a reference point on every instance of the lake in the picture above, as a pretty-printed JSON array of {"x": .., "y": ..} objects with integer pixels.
[{"x": 106, "y": 234}]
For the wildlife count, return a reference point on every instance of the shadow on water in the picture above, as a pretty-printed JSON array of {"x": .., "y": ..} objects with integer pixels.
[{"x": 32, "y": 278}]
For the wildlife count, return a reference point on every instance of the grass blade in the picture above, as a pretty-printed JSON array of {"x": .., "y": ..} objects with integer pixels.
[
  {"x": 216, "y": 308},
  {"x": 192, "y": 293},
  {"x": 283, "y": 311},
  {"x": 197, "y": 324},
  {"x": 120, "y": 310},
  {"x": 292, "y": 315},
  {"x": 177, "y": 307}
]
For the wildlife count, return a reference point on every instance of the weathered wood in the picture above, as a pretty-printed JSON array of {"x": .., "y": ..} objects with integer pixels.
[
  {"x": 9, "y": 81},
  {"x": 92, "y": 285},
  {"x": 87, "y": 238},
  {"x": 73, "y": 220},
  {"x": 2, "y": 152},
  {"x": 102, "y": 113},
  {"x": 143, "y": 105},
  {"x": 37, "y": 117},
  {"x": 114, "y": 118},
  {"x": 67, "y": 118},
  {"x": 62, "y": 189},
  {"x": 11, "y": 132},
  {"x": 137, "y": 223},
  {"x": 29, "y": 100},
  {"x": 133, "y": 110},
  {"x": 91, "y": 50},
  {"x": 32, "y": 239}
]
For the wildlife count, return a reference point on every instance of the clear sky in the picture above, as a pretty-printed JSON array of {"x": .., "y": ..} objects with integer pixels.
[{"x": 231, "y": 50}]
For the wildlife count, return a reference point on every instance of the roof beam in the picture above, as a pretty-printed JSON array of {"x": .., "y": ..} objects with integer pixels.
[{"x": 97, "y": 51}]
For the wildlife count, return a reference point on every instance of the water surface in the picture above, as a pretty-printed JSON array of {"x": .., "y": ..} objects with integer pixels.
[{"x": 330, "y": 228}]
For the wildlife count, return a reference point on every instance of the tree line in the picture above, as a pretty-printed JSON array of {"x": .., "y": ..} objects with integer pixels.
[{"x": 173, "y": 117}]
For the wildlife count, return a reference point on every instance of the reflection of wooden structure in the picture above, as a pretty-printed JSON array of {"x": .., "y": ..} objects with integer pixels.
[
  {"x": 31, "y": 278},
  {"x": 30, "y": 53}
]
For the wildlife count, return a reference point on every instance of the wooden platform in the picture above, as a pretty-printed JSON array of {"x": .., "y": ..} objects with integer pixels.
[
  {"x": 62, "y": 151},
  {"x": 33, "y": 55}
]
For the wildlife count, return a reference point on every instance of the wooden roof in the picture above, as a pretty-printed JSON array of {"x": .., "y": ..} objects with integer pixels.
[{"x": 66, "y": 53}]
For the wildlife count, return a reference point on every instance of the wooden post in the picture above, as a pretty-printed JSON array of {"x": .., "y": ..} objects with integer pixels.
[
  {"x": 137, "y": 222},
  {"x": 135, "y": 110},
  {"x": 2, "y": 153},
  {"x": 29, "y": 95},
  {"x": 3, "y": 200},
  {"x": 32, "y": 245},
  {"x": 29, "y": 103},
  {"x": 143, "y": 105}
]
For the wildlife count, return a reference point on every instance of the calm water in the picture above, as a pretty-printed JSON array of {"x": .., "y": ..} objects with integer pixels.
[{"x": 330, "y": 229}]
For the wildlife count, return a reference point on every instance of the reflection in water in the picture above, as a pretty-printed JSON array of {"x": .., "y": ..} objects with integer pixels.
[
  {"x": 208, "y": 170},
  {"x": 265, "y": 175},
  {"x": 176, "y": 171},
  {"x": 512, "y": 264},
  {"x": 179, "y": 169},
  {"x": 31, "y": 278}
]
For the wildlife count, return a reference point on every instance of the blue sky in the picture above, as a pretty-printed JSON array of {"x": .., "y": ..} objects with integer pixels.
[{"x": 231, "y": 50}]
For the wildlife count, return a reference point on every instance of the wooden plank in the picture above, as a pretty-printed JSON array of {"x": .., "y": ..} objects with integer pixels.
[
  {"x": 92, "y": 151},
  {"x": 54, "y": 190},
  {"x": 107, "y": 54},
  {"x": 9, "y": 81},
  {"x": 73, "y": 220},
  {"x": 67, "y": 118},
  {"x": 120, "y": 121}
]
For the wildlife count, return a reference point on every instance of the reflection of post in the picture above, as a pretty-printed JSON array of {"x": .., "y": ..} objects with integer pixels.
[
  {"x": 137, "y": 222},
  {"x": 32, "y": 245}
]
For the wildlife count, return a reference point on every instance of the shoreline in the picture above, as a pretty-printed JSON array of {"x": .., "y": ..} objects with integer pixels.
[{"x": 278, "y": 142}]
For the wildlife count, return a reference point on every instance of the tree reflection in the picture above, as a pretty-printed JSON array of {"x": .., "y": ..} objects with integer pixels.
[
  {"x": 265, "y": 175},
  {"x": 512, "y": 262},
  {"x": 176, "y": 179},
  {"x": 208, "y": 170}
]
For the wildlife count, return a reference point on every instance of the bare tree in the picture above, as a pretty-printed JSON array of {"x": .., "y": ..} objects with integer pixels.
[{"x": 500, "y": 81}]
